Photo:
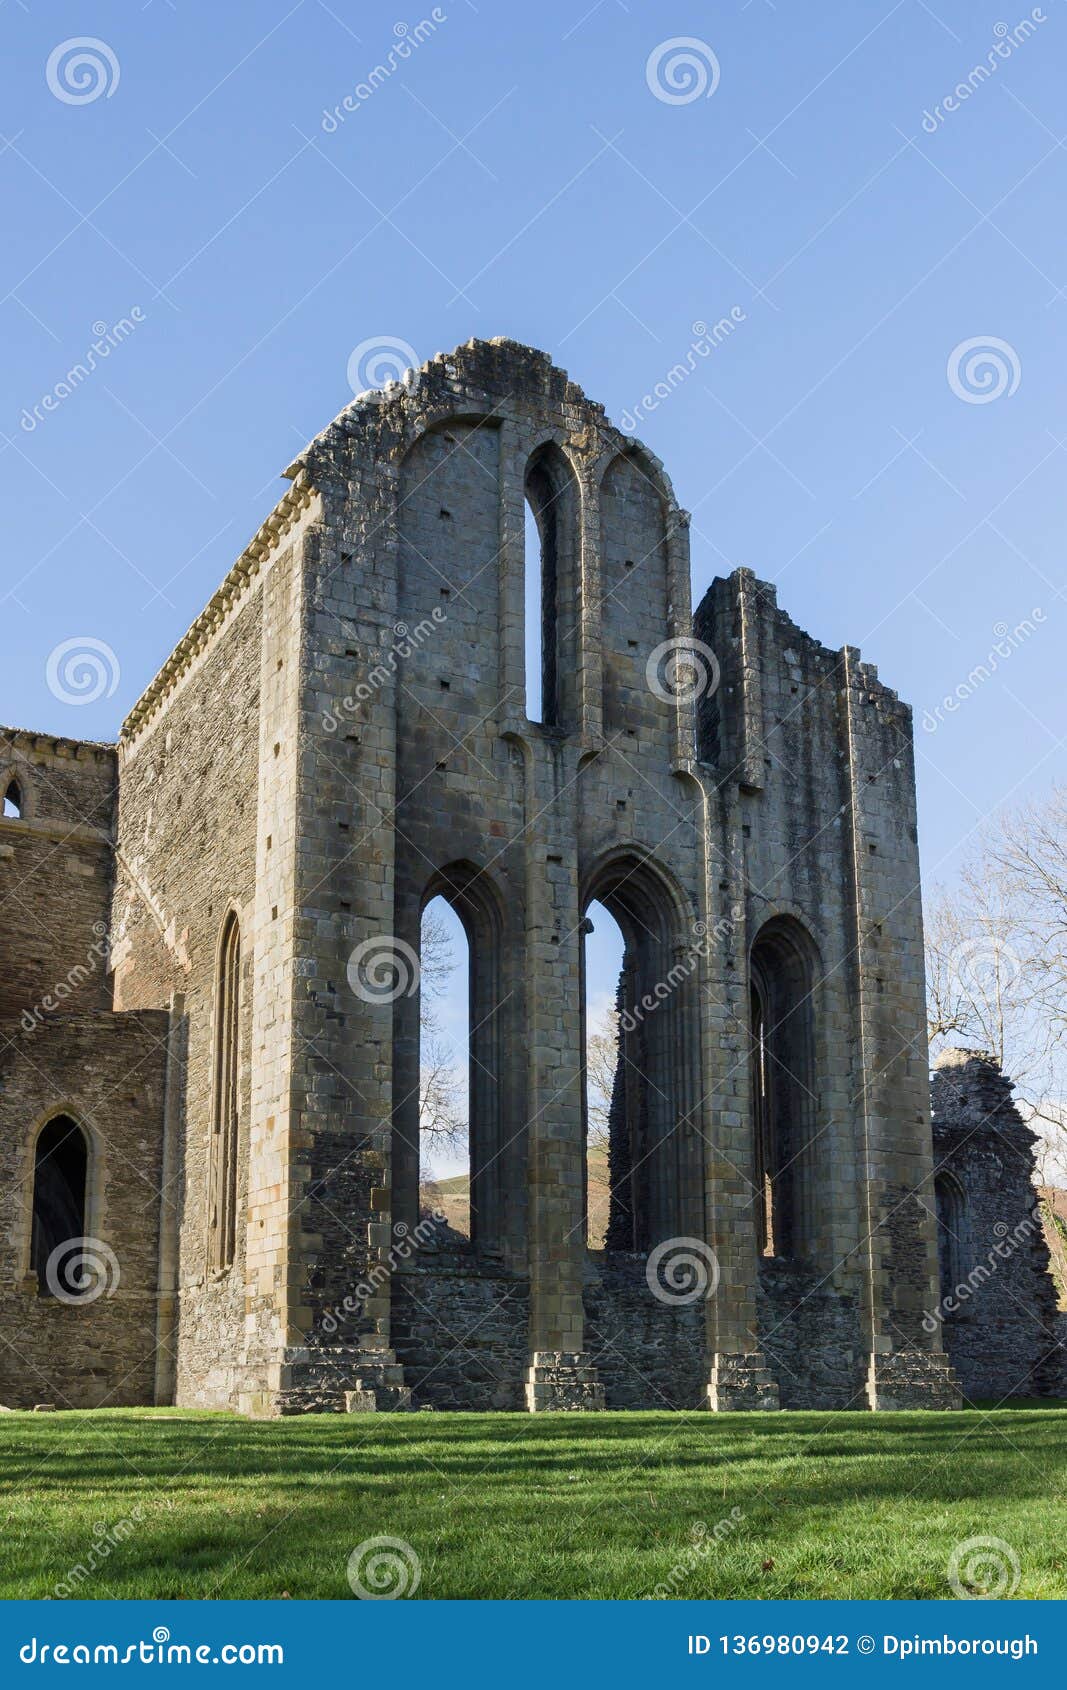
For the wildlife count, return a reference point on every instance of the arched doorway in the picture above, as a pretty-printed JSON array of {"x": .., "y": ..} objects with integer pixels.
[{"x": 655, "y": 1149}]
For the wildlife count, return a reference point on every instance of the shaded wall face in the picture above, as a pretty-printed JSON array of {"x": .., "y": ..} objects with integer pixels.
[
  {"x": 633, "y": 607},
  {"x": 997, "y": 1308},
  {"x": 187, "y": 843}
]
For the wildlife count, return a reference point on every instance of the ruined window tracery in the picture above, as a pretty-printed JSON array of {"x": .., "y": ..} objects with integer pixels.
[
  {"x": 783, "y": 1088},
  {"x": 13, "y": 806},
  {"x": 951, "y": 1220}
]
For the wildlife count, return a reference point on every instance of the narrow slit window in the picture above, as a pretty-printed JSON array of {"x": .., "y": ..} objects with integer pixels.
[
  {"x": 534, "y": 614},
  {"x": 222, "y": 1218}
]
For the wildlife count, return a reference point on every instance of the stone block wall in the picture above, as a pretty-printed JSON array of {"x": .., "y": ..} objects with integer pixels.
[
  {"x": 56, "y": 874},
  {"x": 997, "y": 1304},
  {"x": 814, "y": 835},
  {"x": 108, "y": 1073}
]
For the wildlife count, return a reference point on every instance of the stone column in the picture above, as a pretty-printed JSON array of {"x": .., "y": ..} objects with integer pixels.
[
  {"x": 906, "y": 1367},
  {"x": 738, "y": 1374},
  {"x": 559, "y": 1375}
]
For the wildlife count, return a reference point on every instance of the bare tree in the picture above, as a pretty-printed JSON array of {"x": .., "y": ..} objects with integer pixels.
[
  {"x": 442, "y": 1093},
  {"x": 996, "y": 956},
  {"x": 601, "y": 1059}
]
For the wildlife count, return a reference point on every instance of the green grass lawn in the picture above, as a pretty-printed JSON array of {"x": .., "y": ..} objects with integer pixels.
[{"x": 494, "y": 1505}]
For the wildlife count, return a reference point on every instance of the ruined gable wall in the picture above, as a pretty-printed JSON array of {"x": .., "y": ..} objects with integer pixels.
[
  {"x": 997, "y": 1306},
  {"x": 55, "y": 875}
]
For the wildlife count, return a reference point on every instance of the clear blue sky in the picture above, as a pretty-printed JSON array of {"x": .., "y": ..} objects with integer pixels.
[{"x": 517, "y": 175}]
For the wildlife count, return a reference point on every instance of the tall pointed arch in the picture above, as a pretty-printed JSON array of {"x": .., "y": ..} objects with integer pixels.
[{"x": 222, "y": 1171}]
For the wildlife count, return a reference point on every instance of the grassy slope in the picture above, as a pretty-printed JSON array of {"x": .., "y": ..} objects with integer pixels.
[
  {"x": 453, "y": 1196},
  {"x": 846, "y": 1505}
]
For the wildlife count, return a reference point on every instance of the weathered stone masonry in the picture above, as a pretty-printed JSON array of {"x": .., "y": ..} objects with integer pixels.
[
  {"x": 341, "y": 736},
  {"x": 998, "y": 1306}
]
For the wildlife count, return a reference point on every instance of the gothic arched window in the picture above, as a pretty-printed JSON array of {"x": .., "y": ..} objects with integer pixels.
[{"x": 222, "y": 1173}]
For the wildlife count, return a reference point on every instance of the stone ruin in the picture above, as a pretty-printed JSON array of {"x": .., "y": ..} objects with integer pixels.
[{"x": 209, "y": 1008}]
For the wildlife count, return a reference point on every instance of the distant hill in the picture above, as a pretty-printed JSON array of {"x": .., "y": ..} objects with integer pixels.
[{"x": 454, "y": 1197}]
